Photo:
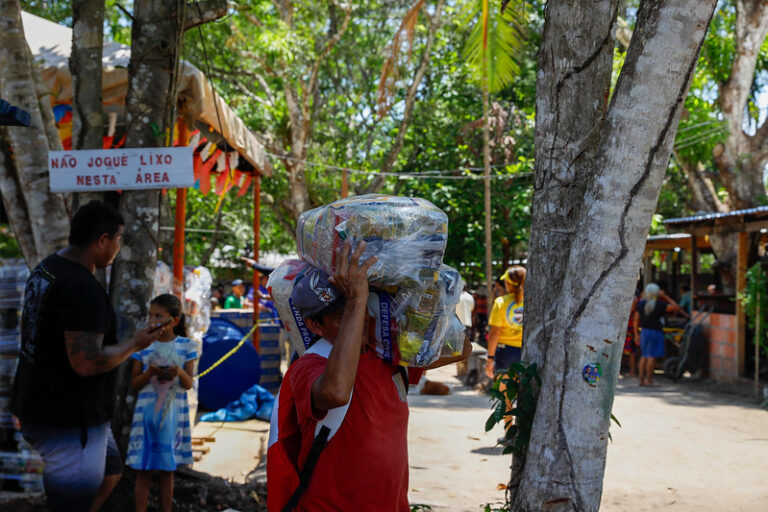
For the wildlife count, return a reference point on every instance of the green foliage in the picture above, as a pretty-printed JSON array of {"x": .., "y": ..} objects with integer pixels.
[
  {"x": 9, "y": 247},
  {"x": 494, "y": 41},
  {"x": 754, "y": 300},
  {"x": 517, "y": 401},
  {"x": 235, "y": 230},
  {"x": 496, "y": 507},
  {"x": 444, "y": 132},
  {"x": 417, "y": 507}
]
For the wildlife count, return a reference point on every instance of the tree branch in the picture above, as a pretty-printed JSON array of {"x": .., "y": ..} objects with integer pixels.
[
  {"x": 751, "y": 31},
  {"x": 204, "y": 11},
  {"x": 410, "y": 101},
  {"x": 310, "y": 88}
]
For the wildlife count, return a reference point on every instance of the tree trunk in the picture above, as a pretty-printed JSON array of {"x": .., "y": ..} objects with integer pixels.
[
  {"x": 14, "y": 202},
  {"x": 487, "y": 194},
  {"x": 619, "y": 185},
  {"x": 85, "y": 65},
  {"x": 741, "y": 158},
  {"x": 47, "y": 214},
  {"x": 155, "y": 35}
]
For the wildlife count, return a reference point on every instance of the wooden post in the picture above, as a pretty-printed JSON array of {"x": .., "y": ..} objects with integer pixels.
[
  {"x": 344, "y": 183},
  {"x": 757, "y": 345},
  {"x": 694, "y": 270},
  {"x": 180, "y": 225},
  {"x": 256, "y": 234},
  {"x": 741, "y": 284}
]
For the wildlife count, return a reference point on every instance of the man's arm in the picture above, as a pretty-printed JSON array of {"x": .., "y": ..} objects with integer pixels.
[
  {"x": 333, "y": 387},
  {"x": 88, "y": 357},
  {"x": 493, "y": 340},
  {"x": 445, "y": 360}
]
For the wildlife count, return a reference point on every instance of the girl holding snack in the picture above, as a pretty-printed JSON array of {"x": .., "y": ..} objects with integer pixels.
[{"x": 160, "y": 436}]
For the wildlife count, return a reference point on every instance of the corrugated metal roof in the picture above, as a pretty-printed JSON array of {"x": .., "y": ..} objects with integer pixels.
[
  {"x": 673, "y": 236},
  {"x": 713, "y": 216}
]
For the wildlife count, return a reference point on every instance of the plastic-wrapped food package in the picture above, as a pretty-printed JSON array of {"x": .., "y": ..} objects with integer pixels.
[
  {"x": 280, "y": 286},
  {"x": 163, "y": 282},
  {"x": 408, "y": 236},
  {"x": 197, "y": 301},
  {"x": 426, "y": 316}
]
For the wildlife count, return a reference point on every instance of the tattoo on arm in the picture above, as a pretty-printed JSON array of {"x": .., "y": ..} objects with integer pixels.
[{"x": 84, "y": 350}]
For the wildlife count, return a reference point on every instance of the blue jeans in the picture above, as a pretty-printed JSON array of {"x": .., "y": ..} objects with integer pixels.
[{"x": 74, "y": 462}]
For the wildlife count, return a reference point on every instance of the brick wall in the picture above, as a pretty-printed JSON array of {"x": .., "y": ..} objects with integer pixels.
[{"x": 721, "y": 332}]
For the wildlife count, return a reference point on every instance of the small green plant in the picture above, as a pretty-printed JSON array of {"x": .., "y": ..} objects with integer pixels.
[
  {"x": 416, "y": 507},
  {"x": 513, "y": 397},
  {"x": 496, "y": 507}
]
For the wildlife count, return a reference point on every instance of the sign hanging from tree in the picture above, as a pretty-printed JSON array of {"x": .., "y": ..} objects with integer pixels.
[{"x": 120, "y": 169}]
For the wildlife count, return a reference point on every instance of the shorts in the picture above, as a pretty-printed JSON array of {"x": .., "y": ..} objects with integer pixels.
[
  {"x": 505, "y": 356},
  {"x": 114, "y": 461},
  {"x": 75, "y": 462},
  {"x": 652, "y": 343}
]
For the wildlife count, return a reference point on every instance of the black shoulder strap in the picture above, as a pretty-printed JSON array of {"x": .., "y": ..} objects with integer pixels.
[{"x": 318, "y": 445}]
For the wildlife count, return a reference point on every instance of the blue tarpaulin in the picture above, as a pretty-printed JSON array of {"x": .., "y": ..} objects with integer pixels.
[{"x": 255, "y": 402}]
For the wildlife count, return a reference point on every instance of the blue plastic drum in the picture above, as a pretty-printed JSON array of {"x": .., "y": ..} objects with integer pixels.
[{"x": 226, "y": 382}]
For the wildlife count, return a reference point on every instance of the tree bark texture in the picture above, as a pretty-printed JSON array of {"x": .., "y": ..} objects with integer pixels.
[
  {"x": 155, "y": 35},
  {"x": 14, "y": 202},
  {"x": 85, "y": 65},
  {"x": 46, "y": 213},
  {"x": 616, "y": 192},
  {"x": 566, "y": 129}
]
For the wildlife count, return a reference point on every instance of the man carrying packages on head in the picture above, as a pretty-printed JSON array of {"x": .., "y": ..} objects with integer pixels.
[{"x": 365, "y": 465}]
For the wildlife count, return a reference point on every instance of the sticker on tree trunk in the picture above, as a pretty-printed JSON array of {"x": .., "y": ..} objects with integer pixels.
[
  {"x": 94, "y": 170},
  {"x": 592, "y": 373}
]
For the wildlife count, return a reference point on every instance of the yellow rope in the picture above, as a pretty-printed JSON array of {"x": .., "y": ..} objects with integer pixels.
[{"x": 235, "y": 348}]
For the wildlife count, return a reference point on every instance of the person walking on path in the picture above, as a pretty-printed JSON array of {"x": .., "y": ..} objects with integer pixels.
[
  {"x": 364, "y": 466},
  {"x": 160, "y": 436},
  {"x": 64, "y": 389},
  {"x": 649, "y": 316},
  {"x": 505, "y": 339}
]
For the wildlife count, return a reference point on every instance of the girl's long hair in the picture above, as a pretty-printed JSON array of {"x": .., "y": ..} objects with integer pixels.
[{"x": 172, "y": 305}]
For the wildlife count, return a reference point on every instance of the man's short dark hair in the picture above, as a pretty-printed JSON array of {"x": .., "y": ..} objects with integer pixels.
[{"x": 93, "y": 220}]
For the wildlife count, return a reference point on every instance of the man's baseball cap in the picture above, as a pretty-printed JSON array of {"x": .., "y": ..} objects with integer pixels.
[
  {"x": 237, "y": 282},
  {"x": 313, "y": 294}
]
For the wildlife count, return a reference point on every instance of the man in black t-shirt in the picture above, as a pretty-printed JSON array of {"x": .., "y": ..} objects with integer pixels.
[{"x": 63, "y": 392}]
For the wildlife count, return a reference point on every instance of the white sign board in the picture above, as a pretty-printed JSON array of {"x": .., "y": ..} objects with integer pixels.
[{"x": 93, "y": 170}]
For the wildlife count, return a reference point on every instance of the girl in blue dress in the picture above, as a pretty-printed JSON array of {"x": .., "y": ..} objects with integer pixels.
[{"x": 160, "y": 432}]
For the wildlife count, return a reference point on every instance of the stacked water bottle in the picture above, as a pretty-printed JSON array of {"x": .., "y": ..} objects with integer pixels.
[{"x": 20, "y": 467}]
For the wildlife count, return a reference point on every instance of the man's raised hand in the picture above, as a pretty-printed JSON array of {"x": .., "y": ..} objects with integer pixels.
[{"x": 351, "y": 276}]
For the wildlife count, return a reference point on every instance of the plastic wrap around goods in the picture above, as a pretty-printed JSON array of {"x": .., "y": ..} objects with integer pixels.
[
  {"x": 427, "y": 320},
  {"x": 197, "y": 296},
  {"x": 407, "y": 235},
  {"x": 410, "y": 328}
]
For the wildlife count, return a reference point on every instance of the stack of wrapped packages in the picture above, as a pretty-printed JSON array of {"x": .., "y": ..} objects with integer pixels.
[{"x": 413, "y": 297}]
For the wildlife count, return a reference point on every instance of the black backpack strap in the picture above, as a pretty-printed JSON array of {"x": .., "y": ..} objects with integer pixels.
[{"x": 318, "y": 445}]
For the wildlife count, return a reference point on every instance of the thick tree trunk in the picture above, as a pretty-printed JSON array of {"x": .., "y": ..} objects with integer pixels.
[
  {"x": 46, "y": 212},
  {"x": 14, "y": 202},
  {"x": 155, "y": 35},
  {"x": 565, "y": 462},
  {"x": 86, "y": 68},
  {"x": 566, "y": 129}
]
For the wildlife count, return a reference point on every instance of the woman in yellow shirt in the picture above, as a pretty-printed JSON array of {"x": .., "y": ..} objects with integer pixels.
[{"x": 505, "y": 339}]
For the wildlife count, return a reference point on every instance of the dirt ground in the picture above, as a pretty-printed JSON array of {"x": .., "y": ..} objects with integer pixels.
[{"x": 681, "y": 447}]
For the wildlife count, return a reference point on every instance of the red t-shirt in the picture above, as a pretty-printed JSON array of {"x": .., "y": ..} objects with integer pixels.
[{"x": 365, "y": 465}]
